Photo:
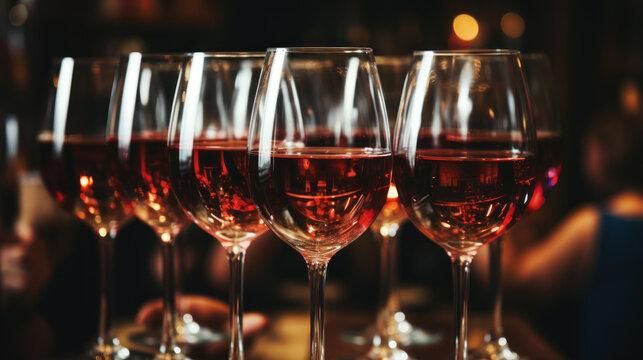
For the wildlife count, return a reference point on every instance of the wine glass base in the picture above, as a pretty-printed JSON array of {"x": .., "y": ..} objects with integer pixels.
[
  {"x": 113, "y": 351},
  {"x": 190, "y": 332},
  {"x": 202, "y": 336},
  {"x": 493, "y": 350},
  {"x": 403, "y": 332},
  {"x": 171, "y": 357},
  {"x": 383, "y": 353}
]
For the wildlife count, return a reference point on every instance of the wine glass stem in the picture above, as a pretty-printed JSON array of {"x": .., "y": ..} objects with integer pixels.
[
  {"x": 106, "y": 253},
  {"x": 169, "y": 344},
  {"x": 495, "y": 281},
  {"x": 236, "y": 256},
  {"x": 388, "y": 303},
  {"x": 317, "y": 279},
  {"x": 461, "y": 266}
]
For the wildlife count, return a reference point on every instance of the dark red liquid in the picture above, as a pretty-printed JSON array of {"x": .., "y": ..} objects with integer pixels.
[
  {"x": 320, "y": 199},
  {"x": 144, "y": 173},
  {"x": 211, "y": 181},
  {"x": 548, "y": 165},
  {"x": 392, "y": 212},
  {"x": 464, "y": 199},
  {"x": 79, "y": 176},
  {"x": 547, "y": 162}
]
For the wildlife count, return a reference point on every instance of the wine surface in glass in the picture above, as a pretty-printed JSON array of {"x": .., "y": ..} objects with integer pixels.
[
  {"x": 464, "y": 199},
  {"x": 80, "y": 176},
  {"x": 144, "y": 174},
  {"x": 213, "y": 188},
  {"x": 320, "y": 199}
]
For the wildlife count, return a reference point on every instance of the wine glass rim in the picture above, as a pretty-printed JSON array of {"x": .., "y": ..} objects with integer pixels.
[
  {"x": 231, "y": 54},
  {"x": 87, "y": 60},
  {"x": 322, "y": 49},
  {"x": 158, "y": 56},
  {"x": 468, "y": 52}
]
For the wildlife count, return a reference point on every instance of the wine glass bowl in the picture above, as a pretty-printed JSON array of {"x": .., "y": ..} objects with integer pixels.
[
  {"x": 548, "y": 123},
  {"x": 392, "y": 71},
  {"x": 332, "y": 178},
  {"x": 140, "y": 115},
  {"x": 208, "y": 148},
  {"x": 464, "y": 155},
  {"x": 319, "y": 155},
  {"x": 73, "y": 139},
  {"x": 466, "y": 133}
]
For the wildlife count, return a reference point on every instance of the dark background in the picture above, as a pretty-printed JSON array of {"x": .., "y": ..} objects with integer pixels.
[{"x": 595, "y": 47}]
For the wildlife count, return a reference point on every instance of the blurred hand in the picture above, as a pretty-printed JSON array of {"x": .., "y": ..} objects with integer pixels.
[
  {"x": 206, "y": 312},
  {"x": 25, "y": 264}
]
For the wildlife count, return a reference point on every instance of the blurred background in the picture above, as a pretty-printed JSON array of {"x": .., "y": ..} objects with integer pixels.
[{"x": 596, "y": 51}]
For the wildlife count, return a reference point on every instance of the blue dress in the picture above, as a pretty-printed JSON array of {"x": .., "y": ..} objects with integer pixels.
[{"x": 611, "y": 316}]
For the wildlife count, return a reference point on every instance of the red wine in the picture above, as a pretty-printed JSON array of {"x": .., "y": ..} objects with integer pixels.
[
  {"x": 319, "y": 200},
  {"x": 548, "y": 165},
  {"x": 79, "y": 176},
  {"x": 144, "y": 172},
  {"x": 547, "y": 161},
  {"x": 463, "y": 199},
  {"x": 392, "y": 212},
  {"x": 211, "y": 181}
]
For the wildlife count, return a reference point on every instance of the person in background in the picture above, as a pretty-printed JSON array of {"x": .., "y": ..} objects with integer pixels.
[{"x": 593, "y": 255}]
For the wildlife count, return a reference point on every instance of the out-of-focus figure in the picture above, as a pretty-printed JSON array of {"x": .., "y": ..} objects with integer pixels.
[
  {"x": 594, "y": 253},
  {"x": 25, "y": 262}
]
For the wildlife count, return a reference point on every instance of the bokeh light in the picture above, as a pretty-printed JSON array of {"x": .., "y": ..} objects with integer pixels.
[
  {"x": 465, "y": 27},
  {"x": 18, "y": 14},
  {"x": 630, "y": 98},
  {"x": 512, "y": 25}
]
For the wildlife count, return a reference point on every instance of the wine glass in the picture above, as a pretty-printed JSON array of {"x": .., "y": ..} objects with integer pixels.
[
  {"x": 75, "y": 167},
  {"x": 208, "y": 159},
  {"x": 139, "y": 117},
  {"x": 546, "y": 119},
  {"x": 319, "y": 156},
  {"x": 464, "y": 155},
  {"x": 391, "y": 328}
]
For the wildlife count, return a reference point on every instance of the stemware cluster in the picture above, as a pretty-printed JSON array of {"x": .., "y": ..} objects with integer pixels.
[{"x": 297, "y": 141}]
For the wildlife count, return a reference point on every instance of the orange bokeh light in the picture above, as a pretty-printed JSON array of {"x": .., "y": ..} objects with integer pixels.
[
  {"x": 512, "y": 25},
  {"x": 86, "y": 181},
  {"x": 465, "y": 27},
  {"x": 392, "y": 192}
]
